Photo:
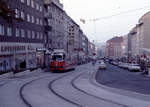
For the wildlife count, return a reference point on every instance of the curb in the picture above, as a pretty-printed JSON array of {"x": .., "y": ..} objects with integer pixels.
[{"x": 26, "y": 72}]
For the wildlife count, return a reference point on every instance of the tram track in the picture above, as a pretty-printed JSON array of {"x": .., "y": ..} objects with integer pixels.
[
  {"x": 72, "y": 83},
  {"x": 26, "y": 102},
  {"x": 60, "y": 96},
  {"x": 94, "y": 96}
]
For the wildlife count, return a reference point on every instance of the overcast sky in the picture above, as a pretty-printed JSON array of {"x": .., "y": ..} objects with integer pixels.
[{"x": 105, "y": 29}]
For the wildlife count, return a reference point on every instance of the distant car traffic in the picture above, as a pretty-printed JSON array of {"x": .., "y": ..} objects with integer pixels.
[
  {"x": 102, "y": 65},
  {"x": 134, "y": 67}
]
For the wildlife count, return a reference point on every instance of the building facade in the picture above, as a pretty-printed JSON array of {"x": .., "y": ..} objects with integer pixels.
[
  {"x": 54, "y": 24},
  {"x": 114, "y": 48},
  {"x": 21, "y": 41}
]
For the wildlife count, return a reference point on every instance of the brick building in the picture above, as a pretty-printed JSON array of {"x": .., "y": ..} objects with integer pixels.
[{"x": 113, "y": 47}]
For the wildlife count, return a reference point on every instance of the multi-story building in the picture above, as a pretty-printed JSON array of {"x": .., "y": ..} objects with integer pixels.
[
  {"x": 83, "y": 46},
  {"x": 138, "y": 38},
  {"x": 91, "y": 49},
  {"x": 113, "y": 47},
  {"x": 143, "y": 33},
  {"x": 54, "y": 24},
  {"x": 134, "y": 44},
  {"x": 124, "y": 46},
  {"x": 21, "y": 43},
  {"x": 73, "y": 39}
]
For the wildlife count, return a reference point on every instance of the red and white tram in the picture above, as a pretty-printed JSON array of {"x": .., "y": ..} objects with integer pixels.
[{"x": 59, "y": 62}]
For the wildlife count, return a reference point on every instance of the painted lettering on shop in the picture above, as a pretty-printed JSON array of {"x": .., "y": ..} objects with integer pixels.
[
  {"x": 12, "y": 48},
  {"x": 15, "y": 48}
]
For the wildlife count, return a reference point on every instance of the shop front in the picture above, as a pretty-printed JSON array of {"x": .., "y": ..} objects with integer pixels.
[{"x": 18, "y": 56}]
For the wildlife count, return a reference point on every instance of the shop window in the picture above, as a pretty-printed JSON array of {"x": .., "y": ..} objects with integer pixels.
[
  {"x": 17, "y": 32},
  {"x": 1, "y": 29},
  {"x": 29, "y": 33},
  {"x": 9, "y": 31},
  {"x": 1, "y": 64},
  {"x": 22, "y": 33}
]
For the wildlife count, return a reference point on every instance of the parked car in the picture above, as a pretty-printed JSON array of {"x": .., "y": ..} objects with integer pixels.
[
  {"x": 114, "y": 63},
  {"x": 134, "y": 67},
  {"x": 102, "y": 66},
  {"x": 125, "y": 65},
  {"x": 120, "y": 64}
]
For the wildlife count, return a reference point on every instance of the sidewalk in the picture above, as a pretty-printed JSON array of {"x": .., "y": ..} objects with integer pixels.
[{"x": 11, "y": 75}]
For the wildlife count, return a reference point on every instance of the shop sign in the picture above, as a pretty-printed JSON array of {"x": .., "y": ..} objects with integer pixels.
[
  {"x": 11, "y": 48},
  {"x": 40, "y": 49}
]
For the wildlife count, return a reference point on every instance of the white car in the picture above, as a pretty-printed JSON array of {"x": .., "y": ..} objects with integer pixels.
[
  {"x": 134, "y": 67},
  {"x": 102, "y": 65},
  {"x": 120, "y": 64},
  {"x": 125, "y": 65}
]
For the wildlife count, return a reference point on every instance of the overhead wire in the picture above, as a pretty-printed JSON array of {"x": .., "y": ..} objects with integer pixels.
[
  {"x": 129, "y": 11},
  {"x": 121, "y": 13}
]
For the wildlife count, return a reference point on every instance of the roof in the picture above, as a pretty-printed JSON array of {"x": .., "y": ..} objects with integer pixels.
[
  {"x": 116, "y": 39},
  {"x": 144, "y": 15}
]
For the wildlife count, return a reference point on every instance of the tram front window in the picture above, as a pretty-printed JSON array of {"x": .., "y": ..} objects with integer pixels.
[{"x": 57, "y": 58}]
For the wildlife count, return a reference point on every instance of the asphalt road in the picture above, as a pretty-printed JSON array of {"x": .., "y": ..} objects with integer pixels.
[{"x": 123, "y": 79}]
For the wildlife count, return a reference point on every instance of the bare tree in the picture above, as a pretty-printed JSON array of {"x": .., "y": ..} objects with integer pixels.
[{"x": 7, "y": 13}]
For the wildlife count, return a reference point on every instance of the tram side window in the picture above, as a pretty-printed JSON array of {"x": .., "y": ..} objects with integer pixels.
[
  {"x": 57, "y": 58},
  {"x": 64, "y": 56}
]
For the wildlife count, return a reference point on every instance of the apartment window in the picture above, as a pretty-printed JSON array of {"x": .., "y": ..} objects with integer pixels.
[
  {"x": 37, "y": 6},
  {"x": 41, "y": 36},
  {"x": 38, "y": 35},
  {"x": 17, "y": 13},
  {"x": 22, "y": 1},
  {"x": 22, "y": 14},
  {"x": 28, "y": 17},
  {"x": 28, "y": 2},
  {"x": 32, "y": 19},
  {"x": 32, "y": 3},
  {"x": 17, "y": 32},
  {"x": 1, "y": 29},
  {"x": 29, "y": 34},
  {"x": 41, "y": 22},
  {"x": 37, "y": 21},
  {"x": 33, "y": 34},
  {"x": 41, "y": 9},
  {"x": 22, "y": 33},
  {"x": 9, "y": 31},
  {"x": 49, "y": 21}
]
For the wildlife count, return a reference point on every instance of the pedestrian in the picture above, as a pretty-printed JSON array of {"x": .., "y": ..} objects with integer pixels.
[
  {"x": 142, "y": 64},
  {"x": 93, "y": 62}
]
